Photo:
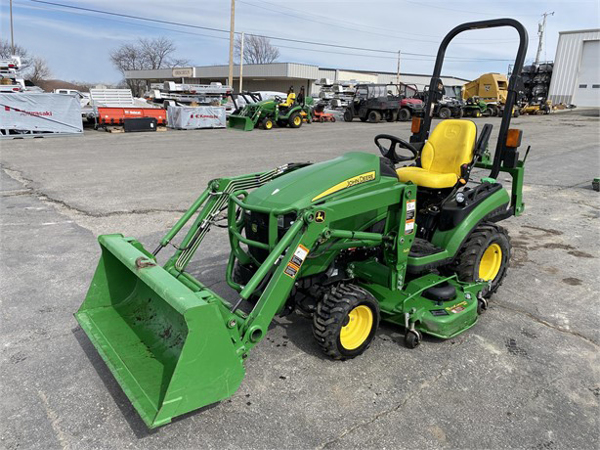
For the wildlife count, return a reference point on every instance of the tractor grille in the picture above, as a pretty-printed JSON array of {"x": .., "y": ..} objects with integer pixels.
[{"x": 257, "y": 229}]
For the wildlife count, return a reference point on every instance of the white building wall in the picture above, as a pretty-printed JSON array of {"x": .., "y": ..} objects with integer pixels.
[{"x": 567, "y": 63}]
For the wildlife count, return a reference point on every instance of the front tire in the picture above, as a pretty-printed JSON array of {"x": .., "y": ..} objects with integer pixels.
[
  {"x": 404, "y": 115},
  {"x": 485, "y": 255},
  {"x": 348, "y": 116},
  {"x": 444, "y": 113},
  {"x": 295, "y": 120},
  {"x": 267, "y": 123},
  {"x": 345, "y": 321}
]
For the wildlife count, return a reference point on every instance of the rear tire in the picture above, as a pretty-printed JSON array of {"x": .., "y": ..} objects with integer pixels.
[
  {"x": 404, "y": 115},
  {"x": 348, "y": 116},
  {"x": 485, "y": 255},
  {"x": 374, "y": 116},
  {"x": 391, "y": 116},
  {"x": 345, "y": 321}
]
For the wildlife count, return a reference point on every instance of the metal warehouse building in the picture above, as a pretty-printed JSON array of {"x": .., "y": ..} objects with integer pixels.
[
  {"x": 576, "y": 73},
  {"x": 280, "y": 76}
]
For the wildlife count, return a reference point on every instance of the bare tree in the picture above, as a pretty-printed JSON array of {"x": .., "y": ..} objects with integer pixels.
[
  {"x": 145, "y": 54},
  {"x": 39, "y": 70},
  {"x": 6, "y": 52},
  {"x": 257, "y": 49}
]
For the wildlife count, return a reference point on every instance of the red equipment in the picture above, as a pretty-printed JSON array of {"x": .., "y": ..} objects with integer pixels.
[{"x": 116, "y": 115}]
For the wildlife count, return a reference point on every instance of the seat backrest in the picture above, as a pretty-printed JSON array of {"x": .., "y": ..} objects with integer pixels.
[
  {"x": 450, "y": 145},
  {"x": 291, "y": 98}
]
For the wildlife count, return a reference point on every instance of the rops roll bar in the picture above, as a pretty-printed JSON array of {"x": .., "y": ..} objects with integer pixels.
[{"x": 436, "y": 81}]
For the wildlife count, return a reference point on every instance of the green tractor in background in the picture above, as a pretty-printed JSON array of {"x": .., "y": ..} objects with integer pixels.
[
  {"x": 268, "y": 113},
  {"x": 475, "y": 107},
  {"x": 409, "y": 239}
]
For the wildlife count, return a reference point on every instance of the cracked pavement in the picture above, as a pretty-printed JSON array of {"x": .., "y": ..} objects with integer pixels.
[{"x": 526, "y": 376}]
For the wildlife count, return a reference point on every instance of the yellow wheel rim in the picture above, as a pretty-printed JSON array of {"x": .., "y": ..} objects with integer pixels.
[
  {"x": 297, "y": 120},
  {"x": 490, "y": 263},
  {"x": 358, "y": 328},
  {"x": 268, "y": 125}
]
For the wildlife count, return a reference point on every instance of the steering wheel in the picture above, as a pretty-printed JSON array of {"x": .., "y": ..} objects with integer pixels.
[{"x": 390, "y": 151}]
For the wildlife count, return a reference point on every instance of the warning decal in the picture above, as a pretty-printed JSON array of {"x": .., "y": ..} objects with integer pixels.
[
  {"x": 296, "y": 262},
  {"x": 411, "y": 212}
]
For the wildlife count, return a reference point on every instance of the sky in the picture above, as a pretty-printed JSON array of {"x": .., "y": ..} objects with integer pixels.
[{"x": 77, "y": 44}]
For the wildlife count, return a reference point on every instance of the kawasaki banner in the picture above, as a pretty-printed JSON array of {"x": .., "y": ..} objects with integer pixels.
[
  {"x": 190, "y": 118},
  {"x": 39, "y": 114}
]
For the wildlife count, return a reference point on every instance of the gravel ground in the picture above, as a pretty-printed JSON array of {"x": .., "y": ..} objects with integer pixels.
[{"x": 526, "y": 376}]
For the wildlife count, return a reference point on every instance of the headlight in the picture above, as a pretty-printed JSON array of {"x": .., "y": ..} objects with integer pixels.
[{"x": 460, "y": 198}]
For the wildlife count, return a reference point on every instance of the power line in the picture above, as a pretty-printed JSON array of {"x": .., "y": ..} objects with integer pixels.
[
  {"x": 220, "y": 30},
  {"x": 460, "y": 10},
  {"x": 83, "y": 13},
  {"x": 354, "y": 24}
]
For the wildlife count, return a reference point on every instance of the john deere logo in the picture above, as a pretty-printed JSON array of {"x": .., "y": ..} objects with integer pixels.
[
  {"x": 254, "y": 228},
  {"x": 320, "y": 216}
]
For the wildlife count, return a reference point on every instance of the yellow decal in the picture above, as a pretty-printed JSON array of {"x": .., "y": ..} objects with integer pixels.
[{"x": 359, "y": 179}]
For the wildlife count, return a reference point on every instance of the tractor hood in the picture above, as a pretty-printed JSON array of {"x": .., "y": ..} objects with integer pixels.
[{"x": 349, "y": 174}]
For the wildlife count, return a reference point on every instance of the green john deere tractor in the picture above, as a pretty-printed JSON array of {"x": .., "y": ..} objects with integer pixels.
[
  {"x": 268, "y": 113},
  {"x": 349, "y": 242}
]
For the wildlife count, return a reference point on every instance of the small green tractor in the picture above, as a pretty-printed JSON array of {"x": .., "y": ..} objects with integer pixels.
[
  {"x": 268, "y": 113},
  {"x": 475, "y": 107},
  {"x": 407, "y": 238}
]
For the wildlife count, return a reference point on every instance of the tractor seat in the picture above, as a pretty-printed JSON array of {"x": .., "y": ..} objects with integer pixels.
[
  {"x": 450, "y": 145},
  {"x": 291, "y": 99}
]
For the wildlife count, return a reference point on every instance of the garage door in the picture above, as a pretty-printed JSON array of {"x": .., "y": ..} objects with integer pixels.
[{"x": 587, "y": 89}]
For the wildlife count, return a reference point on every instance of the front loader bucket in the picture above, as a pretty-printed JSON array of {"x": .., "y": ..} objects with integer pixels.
[
  {"x": 167, "y": 346},
  {"x": 240, "y": 123}
]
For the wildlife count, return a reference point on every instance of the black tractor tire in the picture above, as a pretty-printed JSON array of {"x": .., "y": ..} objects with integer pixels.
[
  {"x": 459, "y": 114},
  {"x": 516, "y": 112},
  {"x": 333, "y": 314},
  {"x": 404, "y": 115},
  {"x": 391, "y": 116},
  {"x": 374, "y": 116},
  {"x": 444, "y": 113},
  {"x": 492, "y": 111},
  {"x": 466, "y": 265},
  {"x": 267, "y": 123},
  {"x": 293, "y": 120},
  {"x": 348, "y": 116}
]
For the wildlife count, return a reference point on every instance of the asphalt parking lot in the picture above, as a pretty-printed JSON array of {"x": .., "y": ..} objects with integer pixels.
[{"x": 526, "y": 376}]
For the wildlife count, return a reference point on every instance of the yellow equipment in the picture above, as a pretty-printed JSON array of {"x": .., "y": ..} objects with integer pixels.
[
  {"x": 447, "y": 150},
  {"x": 489, "y": 87}
]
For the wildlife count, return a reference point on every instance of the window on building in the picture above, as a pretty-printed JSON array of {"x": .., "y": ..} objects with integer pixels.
[
  {"x": 582, "y": 86},
  {"x": 595, "y": 86}
]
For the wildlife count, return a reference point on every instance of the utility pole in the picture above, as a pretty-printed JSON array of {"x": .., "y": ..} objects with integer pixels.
[
  {"x": 12, "y": 36},
  {"x": 541, "y": 29},
  {"x": 241, "y": 61},
  {"x": 231, "y": 39},
  {"x": 398, "y": 69}
]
